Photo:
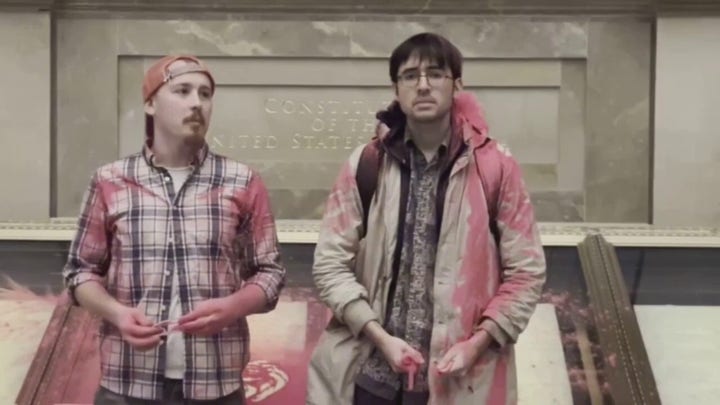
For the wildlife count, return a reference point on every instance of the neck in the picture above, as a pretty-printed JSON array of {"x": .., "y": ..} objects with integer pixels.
[
  {"x": 428, "y": 136},
  {"x": 173, "y": 151}
]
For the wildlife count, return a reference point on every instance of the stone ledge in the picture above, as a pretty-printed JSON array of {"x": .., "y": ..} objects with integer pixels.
[
  {"x": 552, "y": 233},
  {"x": 405, "y": 7}
]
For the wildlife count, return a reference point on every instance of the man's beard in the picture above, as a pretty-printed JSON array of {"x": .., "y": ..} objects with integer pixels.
[
  {"x": 194, "y": 141},
  {"x": 197, "y": 124}
]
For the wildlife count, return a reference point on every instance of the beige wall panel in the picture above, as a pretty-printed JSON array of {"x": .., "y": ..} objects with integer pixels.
[
  {"x": 617, "y": 166},
  {"x": 687, "y": 140},
  {"x": 25, "y": 116},
  {"x": 538, "y": 80}
]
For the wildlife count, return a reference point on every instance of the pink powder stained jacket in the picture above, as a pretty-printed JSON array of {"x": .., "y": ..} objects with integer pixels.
[{"x": 477, "y": 284}]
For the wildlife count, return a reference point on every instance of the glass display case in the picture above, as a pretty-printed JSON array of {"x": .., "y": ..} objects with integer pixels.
[{"x": 629, "y": 315}]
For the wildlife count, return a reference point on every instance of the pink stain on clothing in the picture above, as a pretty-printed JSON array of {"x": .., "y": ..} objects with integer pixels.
[
  {"x": 259, "y": 208},
  {"x": 522, "y": 215},
  {"x": 478, "y": 268},
  {"x": 341, "y": 219},
  {"x": 498, "y": 390},
  {"x": 468, "y": 296},
  {"x": 466, "y": 109},
  {"x": 488, "y": 289},
  {"x": 465, "y": 295},
  {"x": 215, "y": 194}
]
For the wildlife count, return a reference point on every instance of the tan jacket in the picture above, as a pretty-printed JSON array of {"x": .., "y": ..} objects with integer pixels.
[{"x": 476, "y": 284}]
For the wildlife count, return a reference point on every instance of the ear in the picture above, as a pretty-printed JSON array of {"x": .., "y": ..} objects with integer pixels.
[
  {"x": 394, "y": 87},
  {"x": 149, "y": 106},
  {"x": 458, "y": 84}
]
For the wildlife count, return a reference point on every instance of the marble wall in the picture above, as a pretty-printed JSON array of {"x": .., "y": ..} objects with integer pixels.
[
  {"x": 686, "y": 186},
  {"x": 570, "y": 96},
  {"x": 25, "y": 116}
]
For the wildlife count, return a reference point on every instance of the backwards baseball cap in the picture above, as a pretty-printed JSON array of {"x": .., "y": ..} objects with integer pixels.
[{"x": 160, "y": 73}]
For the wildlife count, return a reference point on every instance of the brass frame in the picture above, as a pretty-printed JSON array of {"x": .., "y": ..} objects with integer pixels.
[{"x": 629, "y": 374}]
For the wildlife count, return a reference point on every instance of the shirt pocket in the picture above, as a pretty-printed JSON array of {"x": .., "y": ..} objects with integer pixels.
[{"x": 213, "y": 268}]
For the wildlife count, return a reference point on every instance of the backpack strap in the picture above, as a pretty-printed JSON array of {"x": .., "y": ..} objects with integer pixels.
[
  {"x": 366, "y": 176},
  {"x": 488, "y": 167}
]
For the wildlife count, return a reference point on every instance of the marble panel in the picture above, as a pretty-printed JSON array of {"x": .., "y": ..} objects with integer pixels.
[
  {"x": 533, "y": 95},
  {"x": 25, "y": 116},
  {"x": 279, "y": 116},
  {"x": 617, "y": 165},
  {"x": 687, "y": 147},
  {"x": 571, "y": 126},
  {"x": 86, "y": 104},
  {"x": 285, "y": 38},
  {"x": 477, "y": 37}
]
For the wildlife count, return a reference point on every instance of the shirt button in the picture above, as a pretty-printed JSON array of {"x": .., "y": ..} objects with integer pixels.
[
  {"x": 167, "y": 272},
  {"x": 167, "y": 179},
  {"x": 163, "y": 308}
]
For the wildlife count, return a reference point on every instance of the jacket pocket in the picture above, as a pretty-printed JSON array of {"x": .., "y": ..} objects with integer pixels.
[{"x": 338, "y": 357}]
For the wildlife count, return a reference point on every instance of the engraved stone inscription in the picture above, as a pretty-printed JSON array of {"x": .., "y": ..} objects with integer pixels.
[
  {"x": 295, "y": 124},
  {"x": 298, "y": 136}
]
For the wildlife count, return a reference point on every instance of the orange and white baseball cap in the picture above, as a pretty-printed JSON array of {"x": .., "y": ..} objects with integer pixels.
[{"x": 160, "y": 73}]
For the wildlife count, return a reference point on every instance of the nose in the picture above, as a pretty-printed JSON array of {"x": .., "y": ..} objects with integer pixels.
[
  {"x": 194, "y": 99},
  {"x": 423, "y": 82}
]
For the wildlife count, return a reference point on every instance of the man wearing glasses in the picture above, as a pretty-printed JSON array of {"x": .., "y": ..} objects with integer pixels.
[{"x": 431, "y": 280}]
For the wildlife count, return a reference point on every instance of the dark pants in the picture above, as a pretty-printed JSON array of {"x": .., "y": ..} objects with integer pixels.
[
  {"x": 172, "y": 395},
  {"x": 364, "y": 397}
]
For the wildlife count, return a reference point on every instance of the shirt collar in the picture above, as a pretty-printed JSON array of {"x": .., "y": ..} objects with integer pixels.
[
  {"x": 407, "y": 139},
  {"x": 198, "y": 158}
]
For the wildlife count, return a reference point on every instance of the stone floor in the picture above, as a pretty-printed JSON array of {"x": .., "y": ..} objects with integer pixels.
[
  {"x": 542, "y": 375},
  {"x": 683, "y": 343}
]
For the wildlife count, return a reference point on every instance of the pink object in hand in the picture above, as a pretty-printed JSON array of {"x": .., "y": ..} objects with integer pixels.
[
  {"x": 168, "y": 325},
  {"x": 411, "y": 368}
]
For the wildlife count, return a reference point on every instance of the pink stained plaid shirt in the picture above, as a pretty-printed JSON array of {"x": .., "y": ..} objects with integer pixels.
[{"x": 217, "y": 231}]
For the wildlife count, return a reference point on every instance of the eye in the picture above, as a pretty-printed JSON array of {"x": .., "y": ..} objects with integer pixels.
[
  {"x": 205, "y": 93},
  {"x": 408, "y": 76},
  {"x": 435, "y": 74},
  {"x": 182, "y": 90}
]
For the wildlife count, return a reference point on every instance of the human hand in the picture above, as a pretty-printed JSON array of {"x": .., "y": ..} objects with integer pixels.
[
  {"x": 402, "y": 357},
  {"x": 209, "y": 317},
  {"x": 463, "y": 355},
  {"x": 136, "y": 329}
]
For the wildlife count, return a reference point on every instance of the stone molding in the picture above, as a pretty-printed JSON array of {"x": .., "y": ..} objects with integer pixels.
[{"x": 463, "y": 7}]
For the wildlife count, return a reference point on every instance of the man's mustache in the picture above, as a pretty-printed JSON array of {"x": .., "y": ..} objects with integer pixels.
[{"x": 196, "y": 117}]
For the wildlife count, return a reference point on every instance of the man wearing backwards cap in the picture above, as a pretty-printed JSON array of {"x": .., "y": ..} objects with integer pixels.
[{"x": 175, "y": 245}]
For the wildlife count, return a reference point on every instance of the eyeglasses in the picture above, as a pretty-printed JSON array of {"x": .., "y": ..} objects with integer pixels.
[{"x": 411, "y": 78}]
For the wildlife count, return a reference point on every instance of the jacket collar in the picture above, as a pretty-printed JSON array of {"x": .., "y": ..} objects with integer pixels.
[{"x": 468, "y": 121}]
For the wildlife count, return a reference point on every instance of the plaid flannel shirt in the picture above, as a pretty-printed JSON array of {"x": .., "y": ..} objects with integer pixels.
[{"x": 217, "y": 231}]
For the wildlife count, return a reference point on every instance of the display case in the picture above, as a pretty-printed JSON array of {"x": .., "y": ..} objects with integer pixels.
[{"x": 629, "y": 315}]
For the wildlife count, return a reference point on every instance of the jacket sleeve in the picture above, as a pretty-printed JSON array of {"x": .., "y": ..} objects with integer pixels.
[
  {"x": 521, "y": 256},
  {"x": 336, "y": 252},
  {"x": 89, "y": 254}
]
